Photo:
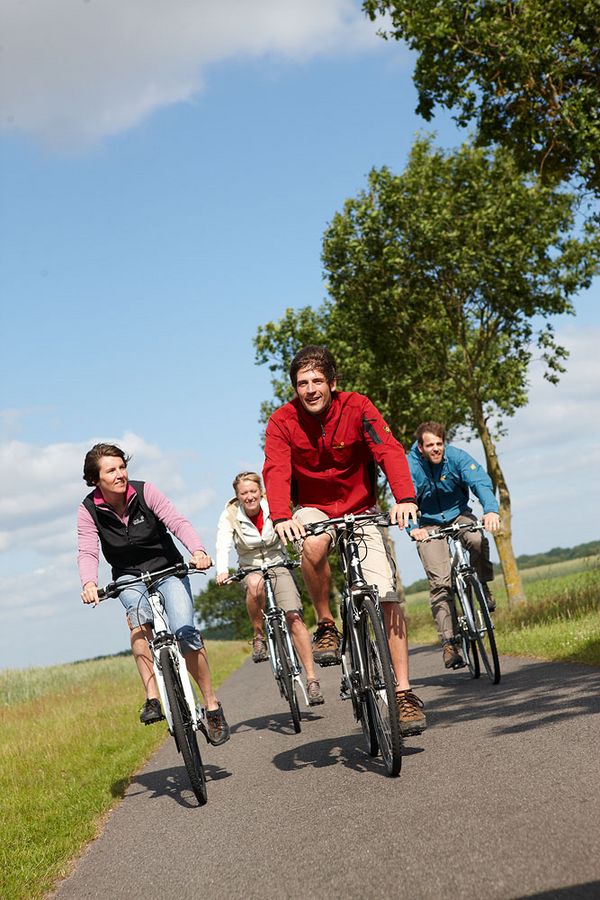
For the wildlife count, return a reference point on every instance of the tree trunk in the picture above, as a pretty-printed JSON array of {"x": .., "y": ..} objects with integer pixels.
[{"x": 510, "y": 570}]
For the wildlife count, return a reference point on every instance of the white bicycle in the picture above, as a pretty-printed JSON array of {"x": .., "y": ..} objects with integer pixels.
[{"x": 180, "y": 702}]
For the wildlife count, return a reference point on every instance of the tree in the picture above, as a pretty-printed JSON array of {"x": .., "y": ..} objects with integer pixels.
[
  {"x": 526, "y": 71},
  {"x": 442, "y": 282},
  {"x": 224, "y": 607}
]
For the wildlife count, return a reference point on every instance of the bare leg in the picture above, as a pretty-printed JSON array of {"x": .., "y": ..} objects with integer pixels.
[
  {"x": 395, "y": 626},
  {"x": 143, "y": 659},
  {"x": 317, "y": 574},
  {"x": 302, "y": 643},
  {"x": 197, "y": 664},
  {"x": 255, "y": 601}
]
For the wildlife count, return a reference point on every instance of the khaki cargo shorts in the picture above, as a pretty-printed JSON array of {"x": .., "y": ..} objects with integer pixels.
[
  {"x": 377, "y": 562},
  {"x": 287, "y": 595}
]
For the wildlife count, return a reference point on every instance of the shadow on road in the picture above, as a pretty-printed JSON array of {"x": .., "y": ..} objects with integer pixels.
[
  {"x": 174, "y": 783},
  {"x": 529, "y": 696},
  {"x": 344, "y": 750},
  {"x": 279, "y": 722},
  {"x": 583, "y": 891}
]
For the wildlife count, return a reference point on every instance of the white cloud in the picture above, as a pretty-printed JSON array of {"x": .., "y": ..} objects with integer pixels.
[{"x": 75, "y": 71}]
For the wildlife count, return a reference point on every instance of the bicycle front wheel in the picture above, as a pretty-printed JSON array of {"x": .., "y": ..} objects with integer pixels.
[
  {"x": 183, "y": 731},
  {"x": 355, "y": 673},
  {"x": 284, "y": 669},
  {"x": 466, "y": 632},
  {"x": 380, "y": 687},
  {"x": 484, "y": 630}
]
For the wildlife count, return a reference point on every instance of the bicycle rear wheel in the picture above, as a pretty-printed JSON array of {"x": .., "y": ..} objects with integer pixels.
[
  {"x": 284, "y": 668},
  {"x": 380, "y": 686},
  {"x": 183, "y": 731},
  {"x": 466, "y": 633},
  {"x": 484, "y": 630}
]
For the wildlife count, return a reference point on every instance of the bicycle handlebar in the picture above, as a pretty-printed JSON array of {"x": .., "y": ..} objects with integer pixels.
[
  {"x": 454, "y": 529},
  {"x": 243, "y": 571},
  {"x": 148, "y": 578},
  {"x": 340, "y": 522}
]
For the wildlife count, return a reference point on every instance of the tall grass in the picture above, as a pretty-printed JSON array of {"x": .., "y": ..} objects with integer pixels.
[
  {"x": 70, "y": 740},
  {"x": 561, "y": 619}
]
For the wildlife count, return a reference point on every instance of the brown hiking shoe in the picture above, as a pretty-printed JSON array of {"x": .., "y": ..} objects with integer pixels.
[
  {"x": 452, "y": 658},
  {"x": 313, "y": 690},
  {"x": 489, "y": 598},
  {"x": 410, "y": 713},
  {"x": 259, "y": 649},
  {"x": 217, "y": 729},
  {"x": 326, "y": 644}
]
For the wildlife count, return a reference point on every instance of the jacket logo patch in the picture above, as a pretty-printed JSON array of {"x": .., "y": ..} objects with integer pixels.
[
  {"x": 139, "y": 520},
  {"x": 387, "y": 428},
  {"x": 339, "y": 446},
  {"x": 472, "y": 466},
  {"x": 442, "y": 477}
]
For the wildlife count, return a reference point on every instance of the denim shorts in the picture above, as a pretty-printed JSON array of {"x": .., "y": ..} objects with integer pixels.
[{"x": 176, "y": 594}]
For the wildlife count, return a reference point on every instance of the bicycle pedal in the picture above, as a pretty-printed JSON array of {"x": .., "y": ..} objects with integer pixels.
[{"x": 325, "y": 663}]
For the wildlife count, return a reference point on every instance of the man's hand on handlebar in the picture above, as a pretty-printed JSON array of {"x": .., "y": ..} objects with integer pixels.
[
  {"x": 89, "y": 594},
  {"x": 419, "y": 534},
  {"x": 491, "y": 522},
  {"x": 402, "y": 513},
  {"x": 290, "y": 530},
  {"x": 200, "y": 560}
]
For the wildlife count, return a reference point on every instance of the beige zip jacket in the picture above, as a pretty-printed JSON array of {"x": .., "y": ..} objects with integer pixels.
[{"x": 236, "y": 530}]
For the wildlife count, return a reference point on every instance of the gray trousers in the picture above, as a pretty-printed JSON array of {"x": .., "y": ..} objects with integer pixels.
[{"x": 436, "y": 562}]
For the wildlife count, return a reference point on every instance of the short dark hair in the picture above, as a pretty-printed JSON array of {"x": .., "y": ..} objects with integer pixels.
[
  {"x": 314, "y": 357},
  {"x": 433, "y": 428},
  {"x": 91, "y": 463}
]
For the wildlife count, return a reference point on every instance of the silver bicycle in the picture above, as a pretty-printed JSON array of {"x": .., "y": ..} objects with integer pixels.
[
  {"x": 474, "y": 626},
  {"x": 282, "y": 653}
]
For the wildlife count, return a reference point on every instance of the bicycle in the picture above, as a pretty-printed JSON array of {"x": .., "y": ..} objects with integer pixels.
[
  {"x": 282, "y": 653},
  {"x": 184, "y": 715},
  {"x": 368, "y": 678},
  {"x": 474, "y": 626}
]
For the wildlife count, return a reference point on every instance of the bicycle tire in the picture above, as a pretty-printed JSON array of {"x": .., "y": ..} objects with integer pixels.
[
  {"x": 363, "y": 712},
  {"x": 484, "y": 630},
  {"x": 380, "y": 687},
  {"x": 466, "y": 634},
  {"x": 183, "y": 731},
  {"x": 287, "y": 683}
]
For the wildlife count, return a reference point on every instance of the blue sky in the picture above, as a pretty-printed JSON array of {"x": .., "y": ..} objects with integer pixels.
[{"x": 167, "y": 172}]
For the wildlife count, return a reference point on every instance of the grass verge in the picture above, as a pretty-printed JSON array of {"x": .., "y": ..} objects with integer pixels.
[
  {"x": 69, "y": 741},
  {"x": 560, "y": 621}
]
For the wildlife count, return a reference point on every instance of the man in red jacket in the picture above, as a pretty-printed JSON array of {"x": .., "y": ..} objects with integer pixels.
[{"x": 321, "y": 456}]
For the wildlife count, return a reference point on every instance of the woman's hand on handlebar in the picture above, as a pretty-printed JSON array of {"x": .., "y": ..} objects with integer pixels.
[
  {"x": 200, "y": 560},
  {"x": 419, "y": 534},
  {"x": 89, "y": 594},
  {"x": 222, "y": 578}
]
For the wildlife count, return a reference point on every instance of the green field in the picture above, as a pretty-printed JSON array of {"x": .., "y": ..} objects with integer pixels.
[
  {"x": 561, "y": 619},
  {"x": 70, "y": 740}
]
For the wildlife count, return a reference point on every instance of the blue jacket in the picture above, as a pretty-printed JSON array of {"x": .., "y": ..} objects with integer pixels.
[{"x": 443, "y": 489}]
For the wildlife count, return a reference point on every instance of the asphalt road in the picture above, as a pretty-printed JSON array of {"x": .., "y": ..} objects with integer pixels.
[{"x": 500, "y": 798}]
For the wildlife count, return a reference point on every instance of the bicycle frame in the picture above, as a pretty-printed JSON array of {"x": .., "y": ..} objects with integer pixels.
[{"x": 270, "y": 613}]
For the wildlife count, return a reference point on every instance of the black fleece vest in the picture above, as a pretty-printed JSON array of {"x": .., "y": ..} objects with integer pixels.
[{"x": 143, "y": 545}]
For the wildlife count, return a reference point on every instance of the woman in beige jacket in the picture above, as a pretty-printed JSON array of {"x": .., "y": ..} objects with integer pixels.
[{"x": 246, "y": 525}]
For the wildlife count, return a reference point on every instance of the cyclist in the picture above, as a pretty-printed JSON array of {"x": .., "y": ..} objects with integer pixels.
[
  {"x": 443, "y": 477},
  {"x": 130, "y": 520},
  {"x": 321, "y": 454},
  {"x": 245, "y": 523}
]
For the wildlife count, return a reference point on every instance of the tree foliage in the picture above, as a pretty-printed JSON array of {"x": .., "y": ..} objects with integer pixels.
[
  {"x": 527, "y": 72},
  {"x": 443, "y": 282}
]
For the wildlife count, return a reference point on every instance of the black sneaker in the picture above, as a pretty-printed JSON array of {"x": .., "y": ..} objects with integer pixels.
[
  {"x": 217, "y": 729},
  {"x": 151, "y": 712},
  {"x": 326, "y": 644}
]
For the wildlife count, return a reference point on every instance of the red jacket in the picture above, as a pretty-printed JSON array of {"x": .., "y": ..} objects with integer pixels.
[{"x": 329, "y": 461}]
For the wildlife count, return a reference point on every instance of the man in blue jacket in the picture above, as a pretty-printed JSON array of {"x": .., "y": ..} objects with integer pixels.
[{"x": 443, "y": 477}]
